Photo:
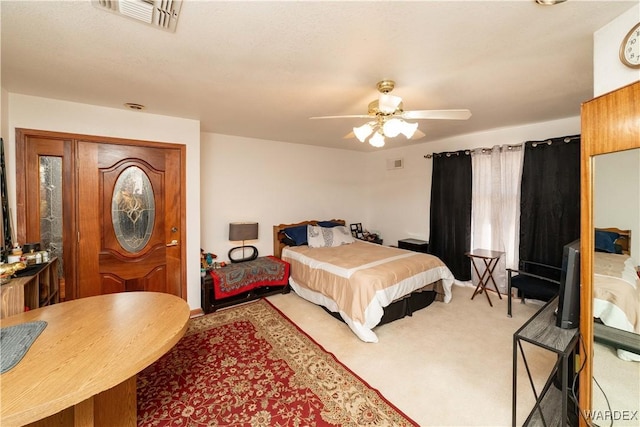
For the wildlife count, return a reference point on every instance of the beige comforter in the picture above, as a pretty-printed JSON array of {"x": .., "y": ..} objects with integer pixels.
[
  {"x": 616, "y": 291},
  {"x": 359, "y": 279}
]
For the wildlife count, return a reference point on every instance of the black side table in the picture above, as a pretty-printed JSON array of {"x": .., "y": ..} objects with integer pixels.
[
  {"x": 414, "y": 245},
  {"x": 552, "y": 400}
]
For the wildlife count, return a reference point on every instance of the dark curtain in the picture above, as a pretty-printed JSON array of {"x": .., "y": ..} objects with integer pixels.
[
  {"x": 450, "y": 217},
  {"x": 550, "y": 199},
  {"x": 6, "y": 219}
]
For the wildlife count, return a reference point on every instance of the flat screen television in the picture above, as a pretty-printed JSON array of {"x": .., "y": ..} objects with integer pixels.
[{"x": 568, "y": 314}]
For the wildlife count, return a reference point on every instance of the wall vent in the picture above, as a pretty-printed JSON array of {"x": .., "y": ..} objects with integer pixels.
[
  {"x": 161, "y": 14},
  {"x": 395, "y": 164}
]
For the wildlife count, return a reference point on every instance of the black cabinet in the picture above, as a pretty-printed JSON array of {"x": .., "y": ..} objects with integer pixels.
[
  {"x": 414, "y": 245},
  {"x": 552, "y": 401},
  {"x": 254, "y": 280}
]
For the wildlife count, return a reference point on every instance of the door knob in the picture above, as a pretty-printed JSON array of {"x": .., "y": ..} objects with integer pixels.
[{"x": 172, "y": 243}]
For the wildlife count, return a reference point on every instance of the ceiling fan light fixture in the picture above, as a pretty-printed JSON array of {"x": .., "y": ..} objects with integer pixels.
[
  {"x": 387, "y": 104},
  {"x": 377, "y": 140},
  {"x": 408, "y": 129},
  {"x": 386, "y": 117},
  {"x": 393, "y": 127},
  {"x": 363, "y": 132}
]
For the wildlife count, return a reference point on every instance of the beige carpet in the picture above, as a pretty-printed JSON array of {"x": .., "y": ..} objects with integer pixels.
[
  {"x": 447, "y": 365},
  {"x": 619, "y": 381}
]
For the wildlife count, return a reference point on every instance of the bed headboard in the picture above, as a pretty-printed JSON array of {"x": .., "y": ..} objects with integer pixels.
[
  {"x": 278, "y": 234},
  {"x": 624, "y": 240}
]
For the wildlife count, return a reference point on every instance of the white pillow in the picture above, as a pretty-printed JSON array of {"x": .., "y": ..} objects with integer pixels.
[{"x": 328, "y": 237}]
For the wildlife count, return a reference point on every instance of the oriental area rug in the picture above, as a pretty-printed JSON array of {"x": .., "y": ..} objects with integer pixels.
[{"x": 249, "y": 365}]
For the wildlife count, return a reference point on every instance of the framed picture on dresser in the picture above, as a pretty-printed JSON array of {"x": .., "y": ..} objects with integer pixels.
[{"x": 356, "y": 230}]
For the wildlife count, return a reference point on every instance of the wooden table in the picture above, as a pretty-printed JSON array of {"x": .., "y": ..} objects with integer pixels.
[
  {"x": 490, "y": 259},
  {"x": 82, "y": 368}
]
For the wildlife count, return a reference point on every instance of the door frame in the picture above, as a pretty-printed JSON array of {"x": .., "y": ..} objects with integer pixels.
[{"x": 26, "y": 212}]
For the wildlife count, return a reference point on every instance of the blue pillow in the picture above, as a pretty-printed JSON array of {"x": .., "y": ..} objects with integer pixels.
[
  {"x": 605, "y": 241},
  {"x": 328, "y": 224},
  {"x": 297, "y": 234}
]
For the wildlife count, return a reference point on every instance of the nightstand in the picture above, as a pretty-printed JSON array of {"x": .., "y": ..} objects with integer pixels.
[{"x": 414, "y": 245}]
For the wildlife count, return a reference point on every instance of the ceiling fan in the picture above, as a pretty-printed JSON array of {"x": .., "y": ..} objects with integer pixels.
[{"x": 387, "y": 118}]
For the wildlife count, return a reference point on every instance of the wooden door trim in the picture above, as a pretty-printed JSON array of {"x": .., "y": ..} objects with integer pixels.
[
  {"x": 22, "y": 136},
  {"x": 28, "y": 229}
]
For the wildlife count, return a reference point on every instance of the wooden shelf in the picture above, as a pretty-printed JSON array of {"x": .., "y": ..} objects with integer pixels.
[{"x": 37, "y": 290}]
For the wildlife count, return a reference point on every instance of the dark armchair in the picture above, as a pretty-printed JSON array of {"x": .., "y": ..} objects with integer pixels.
[{"x": 533, "y": 280}]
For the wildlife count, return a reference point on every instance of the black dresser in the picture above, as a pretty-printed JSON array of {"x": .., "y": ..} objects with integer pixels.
[{"x": 414, "y": 245}]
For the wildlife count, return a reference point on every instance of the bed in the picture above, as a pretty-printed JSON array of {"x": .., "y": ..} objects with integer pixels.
[
  {"x": 616, "y": 292},
  {"x": 367, "y": 284}
]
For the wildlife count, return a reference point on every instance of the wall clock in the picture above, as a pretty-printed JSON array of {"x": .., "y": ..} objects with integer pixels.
[{"x": 630, "y": 48}]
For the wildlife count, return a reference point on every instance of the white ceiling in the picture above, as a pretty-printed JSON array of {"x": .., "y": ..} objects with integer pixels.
[{"x": 261, "y": 69}]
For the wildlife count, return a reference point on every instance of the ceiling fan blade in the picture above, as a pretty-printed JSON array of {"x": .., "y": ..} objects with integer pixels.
[
  {"x": 354, "y": 116},
  {"x": 437, "y": 114},
  {"x": 349, "y": 135},
  {"x": 417, "y": 135}
]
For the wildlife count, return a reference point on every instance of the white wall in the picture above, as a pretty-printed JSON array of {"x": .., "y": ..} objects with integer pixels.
[
  {"x": 47, "y": 114},
  {"x": 399, "y": 200},
  {"x": 616, "y": 198},
  {"x": 609, "y": 73},
  {"x": 273, "y": 182}
]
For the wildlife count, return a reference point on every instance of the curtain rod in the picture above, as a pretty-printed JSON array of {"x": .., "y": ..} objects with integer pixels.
[
  {"x": 467, "y": 152},
  {"x": 565, "y": 139}
]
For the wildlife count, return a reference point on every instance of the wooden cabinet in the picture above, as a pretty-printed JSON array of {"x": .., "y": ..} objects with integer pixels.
[
  {"x": 33, "y": 291},
  {"x": 610, "y": 123}
]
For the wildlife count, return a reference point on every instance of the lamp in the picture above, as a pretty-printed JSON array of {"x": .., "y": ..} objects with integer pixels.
[
  {"x": 241, "y": 231},
  {"x": 408, "y": 129},
  {"x": 392, "y": 127},
  {"x": 388, "y": 104},
  {"x": 377, "y": 140},
  {"x": 363, "y": 132}
]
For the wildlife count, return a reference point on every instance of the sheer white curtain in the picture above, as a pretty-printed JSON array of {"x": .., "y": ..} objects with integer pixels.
[{"x": 495, "y": 206}]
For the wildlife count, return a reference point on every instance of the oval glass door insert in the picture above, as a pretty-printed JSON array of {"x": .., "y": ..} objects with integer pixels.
[{"x": 133, "y": 209}]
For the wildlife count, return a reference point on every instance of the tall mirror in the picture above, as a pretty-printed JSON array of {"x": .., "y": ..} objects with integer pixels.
[
  {"x": 610, "y": 198},
  {"x": 616, "y": 286}
]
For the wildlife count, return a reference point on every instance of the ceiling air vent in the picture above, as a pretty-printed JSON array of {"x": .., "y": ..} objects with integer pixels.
[{"x": 161, "y": 14}]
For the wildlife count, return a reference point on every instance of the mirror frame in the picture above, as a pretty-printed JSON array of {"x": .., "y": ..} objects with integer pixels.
[{"x": 610, "y": 123}]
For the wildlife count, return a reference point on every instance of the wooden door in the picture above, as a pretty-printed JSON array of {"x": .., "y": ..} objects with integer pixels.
[{"x": 129, "y": 219}]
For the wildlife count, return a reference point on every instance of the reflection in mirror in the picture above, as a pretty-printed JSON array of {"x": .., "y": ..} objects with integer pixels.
[{"x": 616, "y": 287}]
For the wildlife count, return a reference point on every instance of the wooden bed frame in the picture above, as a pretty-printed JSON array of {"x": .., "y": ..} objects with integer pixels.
[{"x": 278, "y": 232}]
